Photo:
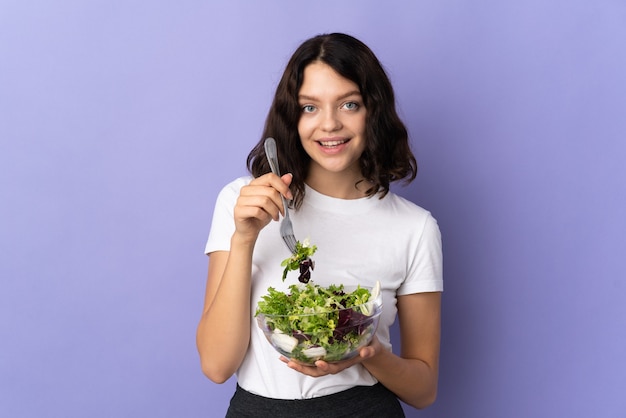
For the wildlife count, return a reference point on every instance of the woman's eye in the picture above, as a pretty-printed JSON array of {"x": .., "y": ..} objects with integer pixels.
[
  {"x": 351, "y": 106},
  {"x": 308, "y": 108}
]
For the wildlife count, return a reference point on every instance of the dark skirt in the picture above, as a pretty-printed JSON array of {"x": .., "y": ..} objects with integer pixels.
[{"x": 358, "y": 402}]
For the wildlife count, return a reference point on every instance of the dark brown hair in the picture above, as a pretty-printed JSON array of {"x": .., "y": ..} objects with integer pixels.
[{"x": 387, "y": 156}]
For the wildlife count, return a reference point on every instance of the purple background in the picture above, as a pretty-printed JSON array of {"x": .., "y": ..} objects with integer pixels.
[{"x": 121, "y": 120}]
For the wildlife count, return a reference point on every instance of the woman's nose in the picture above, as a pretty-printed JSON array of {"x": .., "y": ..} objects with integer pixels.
[{"x": 330, "y": 121}]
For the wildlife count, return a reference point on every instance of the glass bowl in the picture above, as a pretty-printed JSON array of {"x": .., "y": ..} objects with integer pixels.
[{"x": 327, "y": 334}]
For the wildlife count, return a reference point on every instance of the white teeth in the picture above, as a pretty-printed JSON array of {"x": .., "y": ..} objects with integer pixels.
[{"x": 332, "y": 143}]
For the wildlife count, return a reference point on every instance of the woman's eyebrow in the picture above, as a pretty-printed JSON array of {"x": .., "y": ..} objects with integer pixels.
[{"x": 343, "y": 96}]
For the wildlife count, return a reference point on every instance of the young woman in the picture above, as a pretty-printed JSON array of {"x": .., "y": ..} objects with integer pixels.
[{"x": 342, "y": 143}]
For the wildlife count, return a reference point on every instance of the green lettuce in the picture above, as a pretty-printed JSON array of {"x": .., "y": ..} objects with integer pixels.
[{"x": 310, "y": 321}]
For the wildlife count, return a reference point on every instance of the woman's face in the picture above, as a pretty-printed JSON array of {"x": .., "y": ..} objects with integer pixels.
[{"x": 332, "y": 122}]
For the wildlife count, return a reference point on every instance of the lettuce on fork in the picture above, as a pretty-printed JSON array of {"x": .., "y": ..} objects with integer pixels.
[{"x": 300, "y": 260}]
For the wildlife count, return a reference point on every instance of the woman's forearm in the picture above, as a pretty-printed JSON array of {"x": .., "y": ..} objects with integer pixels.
[
  {"x": 413, "y": 376},
  {"x": 413, "y": 381},
  {"x": 223, "y": 333}
]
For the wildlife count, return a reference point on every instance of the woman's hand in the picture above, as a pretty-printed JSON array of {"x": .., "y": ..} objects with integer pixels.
[
  {"x": 259, "y": 202},
  {"x": 322, "y": 368}
]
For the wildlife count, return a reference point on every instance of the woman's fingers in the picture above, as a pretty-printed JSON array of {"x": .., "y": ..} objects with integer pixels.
[
  {"x": 322, "y": 368},
  {"x": 286, "y": 179},
  {"x": 256, "y": 205},
  {"x": 280, "y": 184},
  {"x": 272, "y": 186},
  {"x": 260, "y": 201}
]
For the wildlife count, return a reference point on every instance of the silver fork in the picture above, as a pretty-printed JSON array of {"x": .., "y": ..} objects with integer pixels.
[{"x": 286, "y": 228}]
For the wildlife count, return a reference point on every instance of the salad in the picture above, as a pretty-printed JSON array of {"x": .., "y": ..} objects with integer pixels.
[
  {"x": 300, "y": 260},
  {"x": 311, "y": 322}
]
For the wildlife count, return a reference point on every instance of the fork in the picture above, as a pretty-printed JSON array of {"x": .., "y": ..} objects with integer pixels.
[{"x": 286, "y": 228}]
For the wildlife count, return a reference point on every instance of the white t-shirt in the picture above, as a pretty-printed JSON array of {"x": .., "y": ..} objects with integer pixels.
[{"x": 359, "y": 241}]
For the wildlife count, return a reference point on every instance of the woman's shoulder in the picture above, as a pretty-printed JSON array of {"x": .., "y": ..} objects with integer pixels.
[
  {"x": 230, "y": 191},
  {"x": 236, "y": 184},
  {"x": 403, "y": 205},
  {"x": 239, "y": 182}
]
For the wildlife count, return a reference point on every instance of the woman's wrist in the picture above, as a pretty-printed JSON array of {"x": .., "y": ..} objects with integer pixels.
[
  {"x": 375, "y": 353},
  {"x": 243, "y": 241}
]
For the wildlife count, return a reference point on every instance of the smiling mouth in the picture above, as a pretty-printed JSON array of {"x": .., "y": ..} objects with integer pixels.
[{"x": 332, "y": 144}]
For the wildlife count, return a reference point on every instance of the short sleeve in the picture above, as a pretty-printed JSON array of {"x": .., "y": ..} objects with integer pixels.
[
  {"x": 223, "y": 224},
  {"x": 425, "y": 268}
]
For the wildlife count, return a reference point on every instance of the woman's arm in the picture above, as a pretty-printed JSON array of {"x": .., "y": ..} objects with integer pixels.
[
  {"x": 413, "y": 375},
  {"x": 223, "y": 333}
]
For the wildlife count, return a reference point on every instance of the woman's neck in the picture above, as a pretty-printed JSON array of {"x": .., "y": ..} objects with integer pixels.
[{"x": 339, "y": 185}]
